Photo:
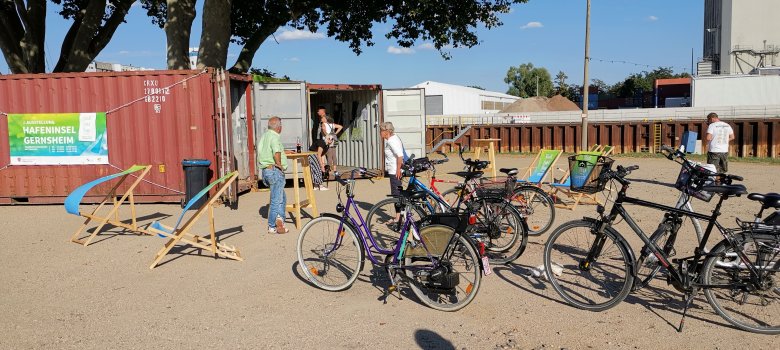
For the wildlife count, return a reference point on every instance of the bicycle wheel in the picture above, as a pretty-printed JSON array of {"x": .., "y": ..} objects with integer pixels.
[
  {"x": 500, "y": 227},
  {"x": 329, "y": 259},
  {"x": 454, "y": 281},
  {"x": 451, "y": 197},
  {"x": 381, "y": 222},
  {"x": 590, "y": 284},
  {"x": 536, "y": 206},
  {"x": 754, "y": 307},
  {"x": 647, "y": 266}
]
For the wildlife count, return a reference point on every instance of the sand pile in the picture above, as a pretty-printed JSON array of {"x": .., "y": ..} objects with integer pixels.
[{"x": 541, "y": 104}]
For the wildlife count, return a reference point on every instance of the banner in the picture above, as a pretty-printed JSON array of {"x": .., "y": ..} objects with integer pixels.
[{"x": 58, "y": 138}]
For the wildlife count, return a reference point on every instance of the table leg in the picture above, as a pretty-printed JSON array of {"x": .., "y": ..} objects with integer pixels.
[
  {"x": 492, "y": 158},
  {"x": 296, "y": 196}
]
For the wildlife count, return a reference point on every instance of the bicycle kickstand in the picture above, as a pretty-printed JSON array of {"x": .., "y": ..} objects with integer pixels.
[
  {"x": 393, "y": 286},
  {"x": 688, "y": 300}
]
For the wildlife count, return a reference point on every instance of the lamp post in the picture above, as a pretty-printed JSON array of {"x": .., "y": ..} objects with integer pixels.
[{"x": 585, "y": 83}]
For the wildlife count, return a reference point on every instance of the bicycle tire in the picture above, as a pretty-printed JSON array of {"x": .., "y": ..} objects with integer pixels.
[
  {"x": 647, "y": 266},
  {"x": 563, "y": 265},
  {"x": 385, "y": 235},
  {"x": 536, "y": 213},
  {"x": 451, "y": 197},
  {"x": 752, "y": 309},
  {"x": 508, "y": 236},
  {"x": 462, "y": 258},
  {"x": 326, "y": 268}
]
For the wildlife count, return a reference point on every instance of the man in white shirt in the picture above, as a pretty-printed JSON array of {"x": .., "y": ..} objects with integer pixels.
[
  {"x": 394, "y": 158},
  {"x": 719, "y": 134}
]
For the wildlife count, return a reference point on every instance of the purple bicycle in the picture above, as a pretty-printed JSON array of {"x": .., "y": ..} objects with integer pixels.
[{"x": 440, "y": 264}]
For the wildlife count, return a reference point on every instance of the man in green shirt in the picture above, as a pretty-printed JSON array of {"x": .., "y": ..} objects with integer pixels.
[{"x": 273, "y": 162}]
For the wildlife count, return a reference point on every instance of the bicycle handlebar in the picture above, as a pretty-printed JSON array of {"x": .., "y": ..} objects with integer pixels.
[
  {"x": 363, "y": 172},
  {"x": 676, "y": 153}
]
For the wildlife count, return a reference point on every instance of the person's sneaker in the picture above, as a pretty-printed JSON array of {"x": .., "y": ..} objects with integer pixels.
[
  {"x": 316, "y": 188},
  {"x": 324, "y": 188},
  {"x": 280, "y": 226},
  {"x": 272, "y": 230}
]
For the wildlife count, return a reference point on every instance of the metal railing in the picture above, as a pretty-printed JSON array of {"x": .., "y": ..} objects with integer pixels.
[{"x": 608, "y": 115}]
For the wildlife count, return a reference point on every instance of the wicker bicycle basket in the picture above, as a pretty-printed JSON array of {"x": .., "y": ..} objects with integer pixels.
[
  {"x": 585, "y": 173},
  {"x": 495, "y": 188}
]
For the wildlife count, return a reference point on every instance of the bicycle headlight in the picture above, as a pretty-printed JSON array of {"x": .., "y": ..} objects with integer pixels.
[{"x": 339, "y": 208}]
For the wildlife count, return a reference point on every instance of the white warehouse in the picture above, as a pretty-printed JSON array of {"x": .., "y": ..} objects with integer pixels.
[{"x": 448, "y": 99}]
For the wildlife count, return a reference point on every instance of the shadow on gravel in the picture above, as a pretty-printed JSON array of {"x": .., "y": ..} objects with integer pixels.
[
  {"x": 506, "y": 271},
  {"x": 431, "y": 340},
  {"x": 107, "y": 233},
  {"x": 187, "y": 250}
]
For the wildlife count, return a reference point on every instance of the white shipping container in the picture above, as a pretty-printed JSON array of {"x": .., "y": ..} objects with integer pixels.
[{"x": 736, "y": 90}]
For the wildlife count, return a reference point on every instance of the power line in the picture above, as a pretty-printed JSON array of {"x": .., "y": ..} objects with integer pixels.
[{"x": 617, "y": 61}]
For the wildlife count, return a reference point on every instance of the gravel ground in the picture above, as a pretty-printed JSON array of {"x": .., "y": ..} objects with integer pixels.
[{"x": 60, "y": 295}]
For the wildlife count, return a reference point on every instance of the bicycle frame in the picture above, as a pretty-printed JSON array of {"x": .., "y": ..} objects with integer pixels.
[{"x": 618, "y": 209}]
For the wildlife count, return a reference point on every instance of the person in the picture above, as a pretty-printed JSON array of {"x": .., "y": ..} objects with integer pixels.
[
  {"x": 394, "y": 159},
  {"x": 317, "y": 161},
  {"x": 719, "y": 134},
  {"x": 273, "y": 162},
  {"x": 329, "y": 127}
]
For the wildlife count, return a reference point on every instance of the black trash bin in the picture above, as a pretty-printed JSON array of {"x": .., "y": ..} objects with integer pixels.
[{"x": 196, "y": 178}]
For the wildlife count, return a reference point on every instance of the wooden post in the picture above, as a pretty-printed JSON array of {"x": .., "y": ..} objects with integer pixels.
[
  {"x": 310, "y": 201},
  {"x": 491, "y": 143}
]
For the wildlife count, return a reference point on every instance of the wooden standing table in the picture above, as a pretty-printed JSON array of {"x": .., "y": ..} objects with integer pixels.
[
  {"x": 310, "y": 201},
  {"x": 491, "y": 143}
]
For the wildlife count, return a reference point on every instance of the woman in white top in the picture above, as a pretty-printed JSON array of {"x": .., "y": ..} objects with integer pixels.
[{"x": 328, "y": 127}]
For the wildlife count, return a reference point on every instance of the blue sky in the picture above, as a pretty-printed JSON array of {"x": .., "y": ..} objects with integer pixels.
[{"x": 547, "y": 33}]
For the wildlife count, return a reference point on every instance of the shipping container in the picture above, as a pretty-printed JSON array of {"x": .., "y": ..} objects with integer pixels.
[
  {"x": 152, "y": 117},
  {"x": 736, "y": 90},
  {"x": 359, "y": 108}
]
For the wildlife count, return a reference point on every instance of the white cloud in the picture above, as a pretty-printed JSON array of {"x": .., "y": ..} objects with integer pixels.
[
  {"x": 426, "y": 46},
  {"x": 532, "y": 25},
  {"x": 400, "y": 50},
  {"x": 293, "y": 59},
  {"x": 652, "y": 18},
  {"x": 297, "y": 34},
  {"x": 124, "y": 52}
]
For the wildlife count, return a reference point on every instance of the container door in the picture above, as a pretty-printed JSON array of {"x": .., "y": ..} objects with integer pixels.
[
  {"x": 240, "y": 127},
  {"x": 286, "y": 101},
  {"x": 405, "y": 108},
  {"x": 225, "y": 136}
]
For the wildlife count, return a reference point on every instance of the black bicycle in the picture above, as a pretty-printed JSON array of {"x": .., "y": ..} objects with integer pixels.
[{"x": 592, "y": 267}]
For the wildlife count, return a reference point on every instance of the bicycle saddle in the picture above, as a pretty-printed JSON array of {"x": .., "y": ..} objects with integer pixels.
[
  {"x": 728, "y": 190},
  {"x": 766, "y": 200},
  {"x": 414, "y": 195},
  {"x": 468, "y": 174},
  {"x": 509, "y": 171}
]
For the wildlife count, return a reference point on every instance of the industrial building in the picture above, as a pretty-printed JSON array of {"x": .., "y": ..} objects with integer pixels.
[
  {"x": 448, "y": 99},
  {"x": 740, "y": 37}
]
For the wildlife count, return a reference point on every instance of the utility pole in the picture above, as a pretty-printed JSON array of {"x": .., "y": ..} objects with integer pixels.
[
  {"x": 537, "y": 86},
  {"x": 585, "y": 83}
]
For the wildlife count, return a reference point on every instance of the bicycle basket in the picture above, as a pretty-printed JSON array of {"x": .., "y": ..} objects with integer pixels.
[
  {"x": 585, "y": 172},
  {"x": 499, "y": 187},
  {"x": 419, "y": 165},
  {"x": 692, "y": 179}
]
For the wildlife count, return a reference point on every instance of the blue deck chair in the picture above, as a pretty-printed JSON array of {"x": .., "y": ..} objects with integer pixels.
[
  {"x": 179, "y": 233},
  {"x": 73, "y": 201},
  {"x": 540, "y": 168}
]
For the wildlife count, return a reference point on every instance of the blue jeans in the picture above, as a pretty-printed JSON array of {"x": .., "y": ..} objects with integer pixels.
[{"x": 274, "y": 178}]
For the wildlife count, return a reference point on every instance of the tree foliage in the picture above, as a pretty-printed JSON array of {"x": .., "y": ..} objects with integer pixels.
[
  {"x": 526, "y": 80},
  {"x": 637, "y": 83}
]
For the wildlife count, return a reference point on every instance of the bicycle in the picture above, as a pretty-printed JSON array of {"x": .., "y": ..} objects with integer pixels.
[
  {"x": 592, "y": 267},
  {"x": 495, "y": 222},
  {"x": 442, "y": 266},
  {"x": 691, "y": 178}
]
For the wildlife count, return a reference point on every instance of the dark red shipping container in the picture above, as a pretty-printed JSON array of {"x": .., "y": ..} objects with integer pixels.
[{"x": 153, "y": 117}]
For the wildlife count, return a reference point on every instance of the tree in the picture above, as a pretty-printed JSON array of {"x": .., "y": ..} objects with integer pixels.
[
  {"x": 561, "y": 87},
  {"x": 23, "y": 29},
  {"x": 526, "y": 80},
  {"x": 644, "y": 81},
  {"x": 252, "y": 22}
]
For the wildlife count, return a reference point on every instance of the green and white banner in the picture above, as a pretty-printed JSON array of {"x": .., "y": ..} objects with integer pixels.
[{"x": 58, "y": 138}]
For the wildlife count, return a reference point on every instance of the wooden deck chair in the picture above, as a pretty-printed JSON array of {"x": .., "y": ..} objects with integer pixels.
[
  {"x": 607, "y": 150},
  {"x": 563, "y": 187},
  {"x": 180, "y": 232},
  {"x": 541, "y": 167},
  {"x": 595, "y": 148},
  {"x": 73, "y": 201}
]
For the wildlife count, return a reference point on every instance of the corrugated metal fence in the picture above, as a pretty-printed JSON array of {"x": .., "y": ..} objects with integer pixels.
[{"x": 753, "y": 137}]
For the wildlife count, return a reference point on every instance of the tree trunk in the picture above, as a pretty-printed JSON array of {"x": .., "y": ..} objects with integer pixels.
[
  {"x": 247, "y": 55},
  {"x": 88, "y": 35},
  {"x": 178, "y": 25},
  {"x": 215, "y": 36},
  {"x": 22, "y": 34}
]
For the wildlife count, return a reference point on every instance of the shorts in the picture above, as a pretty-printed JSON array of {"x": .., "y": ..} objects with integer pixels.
[{"x": 719, "y": 160}]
